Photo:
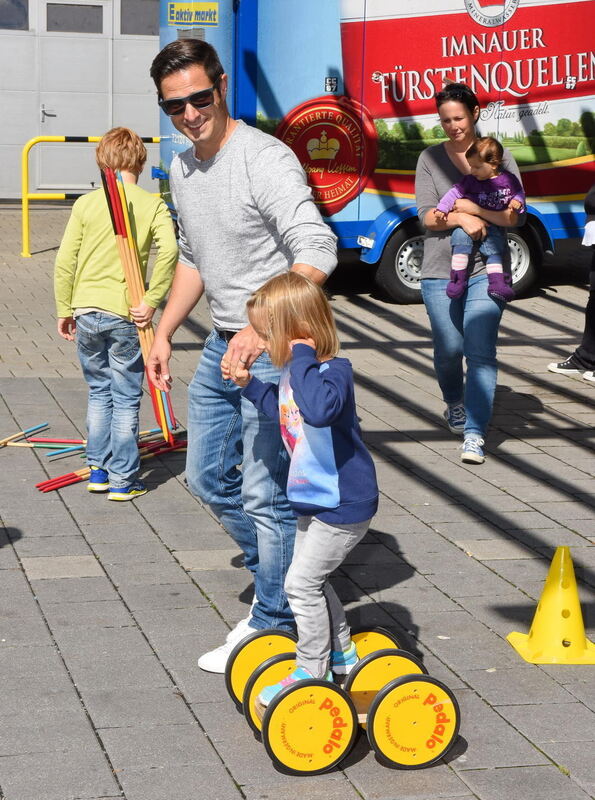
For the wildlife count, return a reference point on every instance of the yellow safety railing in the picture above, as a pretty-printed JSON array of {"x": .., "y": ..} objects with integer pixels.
[{"x": 27, "y": 196}]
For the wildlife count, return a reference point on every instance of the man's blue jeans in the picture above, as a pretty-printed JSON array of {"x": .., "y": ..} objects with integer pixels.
[
  {"x": 467, "y": 326},
  {"x": 224, "y": 432},
  {"x": 112, "y": 363}
]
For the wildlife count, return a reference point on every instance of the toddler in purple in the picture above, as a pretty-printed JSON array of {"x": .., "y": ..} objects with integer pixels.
[{"x": 491, "y": 188}]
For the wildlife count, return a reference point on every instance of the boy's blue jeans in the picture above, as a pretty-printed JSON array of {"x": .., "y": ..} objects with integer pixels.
[
  {"x": 467, "y": 326},
  {"x": 112, "y": 363},
  {"x": 224, "y": 432}
]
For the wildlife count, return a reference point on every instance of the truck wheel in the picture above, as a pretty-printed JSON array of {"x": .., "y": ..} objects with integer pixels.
[
  {"x": 399, "y": 270},
  {"x": 525, "y": 258}
]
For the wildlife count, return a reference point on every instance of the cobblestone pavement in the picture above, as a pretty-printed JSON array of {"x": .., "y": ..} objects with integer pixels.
[{"x": 105, "y": 607}]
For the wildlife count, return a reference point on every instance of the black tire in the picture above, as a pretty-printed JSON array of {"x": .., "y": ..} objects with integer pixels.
[
  {"x": 525, "y": 258},
  {"x": 399, "y": 270}
]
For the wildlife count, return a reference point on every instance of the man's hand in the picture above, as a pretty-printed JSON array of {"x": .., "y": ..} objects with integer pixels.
[
  {"x": 67, "y": 328},
  {"x": 242, "y": 351},
  {"x": 142, "y": 314},
  {"x": 158, "y": 364}
]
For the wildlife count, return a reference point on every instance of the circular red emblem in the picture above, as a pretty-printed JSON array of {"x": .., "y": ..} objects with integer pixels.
[{"x": 336, "y": 143}]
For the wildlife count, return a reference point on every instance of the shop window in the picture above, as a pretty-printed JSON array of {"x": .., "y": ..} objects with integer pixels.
[
  {"x": 139, "y": 17},
  {"x": 14, "y": 15},
  {"x": 70, "y": 18}
]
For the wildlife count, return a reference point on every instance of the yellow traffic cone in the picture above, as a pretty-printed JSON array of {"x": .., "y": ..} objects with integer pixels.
[{"x": 557, "y": 634}]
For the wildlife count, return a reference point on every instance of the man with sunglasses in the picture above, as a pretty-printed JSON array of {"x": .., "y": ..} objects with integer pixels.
[{"x": 245, "y": 214}]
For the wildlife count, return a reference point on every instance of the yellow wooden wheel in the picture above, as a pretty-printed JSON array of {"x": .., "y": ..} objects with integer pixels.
[
  {"x": 309, "y": 728},
  {"x": 413, "y": 722},
  {"x": 251, "y": 652}
]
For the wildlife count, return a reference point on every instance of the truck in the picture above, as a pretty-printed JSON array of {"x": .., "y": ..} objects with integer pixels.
[{"x": 349, "y": 85}]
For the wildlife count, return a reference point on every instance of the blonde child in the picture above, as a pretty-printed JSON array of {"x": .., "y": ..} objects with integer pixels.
[
  {"x": 93, "y": 307},
  {"x": 332, "y": 481},
  {"x": 492, "y": 188}
]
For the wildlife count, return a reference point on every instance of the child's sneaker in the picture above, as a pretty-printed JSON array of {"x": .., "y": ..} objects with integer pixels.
[
  {"x": 472, "y": 450},
  {"x": 343, "y": 661},
  {"x": 98, "y": 480},
  {"x": 136, "y": 489},
  {"x": 456, "y": 418},
  {"x": 299, "y": 674}
]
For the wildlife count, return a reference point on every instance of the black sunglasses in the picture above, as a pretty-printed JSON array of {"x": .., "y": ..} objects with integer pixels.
[{"x": 198, "y": 100}]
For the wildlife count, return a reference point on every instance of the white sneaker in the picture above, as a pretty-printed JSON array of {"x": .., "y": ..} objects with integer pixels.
[
  {"x": 215, "y": 660},
  {"x": 589, "y": 376}
]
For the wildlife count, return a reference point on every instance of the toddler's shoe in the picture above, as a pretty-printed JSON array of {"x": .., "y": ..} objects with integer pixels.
[
  {"x": 458, "y": 283},
  {"x": 136, "y": 489},
  {"x": 299, "y": 674},
  {"x": 343, "y": 661},
  {"x": 98, "y": 480},
  {"x": 473, "y": 450},
  {"x": 499, "y": 286}
]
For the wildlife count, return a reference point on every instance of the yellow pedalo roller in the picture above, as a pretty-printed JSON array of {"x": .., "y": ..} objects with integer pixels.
[
  {"x": 373, "y": 672},
  {"x": 413, "y": 722},
  {"x": 368, "y": 640},
  {"x": 250, "y": 653},
  {"x": 308, "y": 728}
]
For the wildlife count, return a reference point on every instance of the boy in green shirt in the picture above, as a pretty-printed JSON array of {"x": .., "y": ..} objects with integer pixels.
[{"x": 93, "y": 308}]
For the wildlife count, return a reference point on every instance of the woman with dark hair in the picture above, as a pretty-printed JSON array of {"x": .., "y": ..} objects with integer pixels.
[{"x": 468, "y": 325}]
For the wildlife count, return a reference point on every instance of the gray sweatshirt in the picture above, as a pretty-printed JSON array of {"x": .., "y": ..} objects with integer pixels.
[
  {"x": 246, "y": 215},
  {"x": 434, "y": 176}
]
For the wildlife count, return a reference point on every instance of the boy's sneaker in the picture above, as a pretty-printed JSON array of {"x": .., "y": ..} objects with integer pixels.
[
  {"x": 455, "y": 418},
  {"x": 216, "y": 660},
  {"x": 136, "y": 489},
  {"x": 343, "y": 661},
  {"x": 589, "y": 376},
  {"x": 299, "y": 674},
  {"x": 568, "y": 367},
  {"x": 98, "y": 480},
  {"x": 472, "y": 450}
]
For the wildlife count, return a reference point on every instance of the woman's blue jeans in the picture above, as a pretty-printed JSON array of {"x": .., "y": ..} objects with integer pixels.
[
  {"x": 467, "y": 326},
  {"x": 112, "y": 363},
  {"x": 225, "y": 431}
]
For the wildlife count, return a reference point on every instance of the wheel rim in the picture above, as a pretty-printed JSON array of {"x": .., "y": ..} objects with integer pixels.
[
  {"x": 408, "y": 262},
  {"x": 520, "y": 257}
]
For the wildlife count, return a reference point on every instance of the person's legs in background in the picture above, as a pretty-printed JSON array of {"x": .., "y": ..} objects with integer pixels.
[
  {"x": 481, "y": 321},
  {"x": 446, "y": 320}
]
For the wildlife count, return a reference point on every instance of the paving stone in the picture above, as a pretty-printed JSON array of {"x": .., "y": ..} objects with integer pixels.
[
  {"x": 132, "y": 552},
  {"x": 526, "y": 684},
  {"x": 93, "y": 614},
  {"x": 495, "y": 549},
  {"x": 73, "y": 590},
  {"x": 44, "y": 546},
  {"x": 93, "y": 670},
  {"x": 146, "y": 574},
  {"x": 180, "y": 783},
  {"x": 575, "y": 761},
  {"x": 175, "y": 595},
  {"x": 545, "y": 783},
  {"x": 158, "y": 746},
  {"x": 125, "y": 706},
  {"x": 62, "y": 567},
  {"x": 555, "y": 722},
  {"x": 57, "y": 775},
  {"x": 208, "y": 560}
]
